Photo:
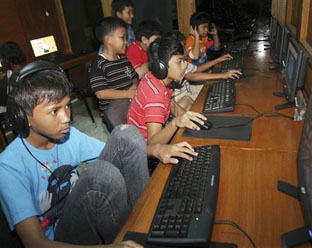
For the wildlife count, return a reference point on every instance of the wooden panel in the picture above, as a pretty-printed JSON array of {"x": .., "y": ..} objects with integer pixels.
[
  {"x": 185, "y": 9},
  {"x": 39, "y": 18},
  {"x": 107, "y": 7},
  {"x": 11, "y": 28}
]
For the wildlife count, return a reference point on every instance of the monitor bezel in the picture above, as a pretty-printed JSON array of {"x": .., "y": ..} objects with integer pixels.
[
  {"x": 284, "y": 46},
  {"x": 273, "y": 29}
]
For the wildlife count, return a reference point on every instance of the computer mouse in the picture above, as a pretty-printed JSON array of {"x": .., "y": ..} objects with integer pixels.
[{"x": 206, "y": 126}]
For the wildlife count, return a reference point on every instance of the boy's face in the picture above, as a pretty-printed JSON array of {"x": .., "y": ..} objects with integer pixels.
[
  {"x": 203, "y": 29},
  {"x": 126, "y": 14},
  {"x": 50, "y": 118},
  {"x": 176, "y": 67},
  {"x": 118, "y": 40}
]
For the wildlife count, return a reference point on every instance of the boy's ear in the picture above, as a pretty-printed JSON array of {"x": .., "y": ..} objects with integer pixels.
[
  {"x": 144, "y": 40},
  {"x": 119, "y": 14}
]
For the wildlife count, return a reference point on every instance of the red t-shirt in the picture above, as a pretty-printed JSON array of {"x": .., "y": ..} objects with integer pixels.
[
  {"x": 151, "y": 103},
  {"x": 136, "y": 55}
]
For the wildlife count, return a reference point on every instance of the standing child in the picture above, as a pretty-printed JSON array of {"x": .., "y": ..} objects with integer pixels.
[
  {"x": 198, "y": 42},
  {"x": 147, "y": 32},
  {"x": 41, "y": 193},
  {"x": 123, "y": 9},
  {"x": 152, "y": 104},
  {"x": 111, "y": 75}
]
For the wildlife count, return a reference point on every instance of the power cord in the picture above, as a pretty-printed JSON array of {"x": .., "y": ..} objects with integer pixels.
[{"x": 232, "y": 223}]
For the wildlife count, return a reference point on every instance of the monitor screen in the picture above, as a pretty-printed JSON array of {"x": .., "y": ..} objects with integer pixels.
[
  {"x": 304, "y": 167},
  {"x": 43, "y": 46},
  {"x": 278, "y": 42},
  {"x": 284, "y": 46}
]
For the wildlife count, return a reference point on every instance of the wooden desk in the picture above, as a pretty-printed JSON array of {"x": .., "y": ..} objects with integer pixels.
[
  {"x": 76, "y": 67},
  {"x": 249, "y": 172}
]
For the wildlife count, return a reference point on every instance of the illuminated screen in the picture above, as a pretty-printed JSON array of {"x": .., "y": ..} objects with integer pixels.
[{"x": 43, "y": 46}]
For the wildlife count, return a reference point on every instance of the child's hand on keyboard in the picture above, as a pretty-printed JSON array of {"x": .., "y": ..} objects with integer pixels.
[
  {"x": 125, "y": 244},
  {"x": 168, "y": 153},
  {"x": 233, "y": 74},
  {"x": 224, "y": 58},
  {"x": 186, "y": 120}
]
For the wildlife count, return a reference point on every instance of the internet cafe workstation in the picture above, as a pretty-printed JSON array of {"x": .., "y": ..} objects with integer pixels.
[{"x": 141, "y": 123}]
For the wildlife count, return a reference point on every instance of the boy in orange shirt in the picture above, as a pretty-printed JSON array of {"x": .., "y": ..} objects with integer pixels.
[{"x": 198, "y": 42}]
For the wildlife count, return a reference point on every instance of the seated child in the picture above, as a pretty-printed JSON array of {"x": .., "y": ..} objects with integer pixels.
[
  {"x": 196, "y": 73},
  {"x": 198, "y": 42},
  {"x": 152, "y": 103},
  {"x": 112, "y": 77},
  {"x": 42, "y": 195},
  {"x": 147, "y": 32}
]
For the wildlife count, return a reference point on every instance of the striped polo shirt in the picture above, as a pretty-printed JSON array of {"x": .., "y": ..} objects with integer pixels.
[
  {"x": 104, "y": 74},
  {"x": 151, "y": 103}
]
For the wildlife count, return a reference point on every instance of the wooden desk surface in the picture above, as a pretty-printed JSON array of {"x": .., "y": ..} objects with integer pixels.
[{"x": 249, "y": 172}]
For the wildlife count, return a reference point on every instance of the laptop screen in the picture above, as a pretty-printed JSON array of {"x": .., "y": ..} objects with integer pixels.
[{"x": 43, "y": 46}]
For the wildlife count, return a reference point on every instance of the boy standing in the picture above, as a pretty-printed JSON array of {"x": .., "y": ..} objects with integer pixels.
[
  {"x": 147, "y": 32},
  {"x": 123, "y": 9},
  {"x": 198, "y": 42},
  {"x": 152, "y": 104},
  {"x": 111, "y": 75},
  {"x": 43, "y": 197}
]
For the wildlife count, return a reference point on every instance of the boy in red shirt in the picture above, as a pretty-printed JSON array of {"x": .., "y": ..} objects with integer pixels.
[
  {"x": 147, "y": 32},
  {"x": 152, "y": 103}
]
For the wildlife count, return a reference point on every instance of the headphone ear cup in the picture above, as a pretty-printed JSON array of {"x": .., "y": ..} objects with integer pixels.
[
  {"x": 18, "y": 118},
  {"x": 158, "y": 67}
]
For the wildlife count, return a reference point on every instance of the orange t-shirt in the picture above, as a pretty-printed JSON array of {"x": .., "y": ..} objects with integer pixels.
[{"x": 204, "y": 44}]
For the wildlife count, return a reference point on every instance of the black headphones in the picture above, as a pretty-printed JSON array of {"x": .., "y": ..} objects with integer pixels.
[
  {"x": 16, "y": 113},
  {"x": 158, "y": 67}
]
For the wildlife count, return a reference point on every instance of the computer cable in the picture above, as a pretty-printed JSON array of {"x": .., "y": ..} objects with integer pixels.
[{"x": 232, "y": 223}]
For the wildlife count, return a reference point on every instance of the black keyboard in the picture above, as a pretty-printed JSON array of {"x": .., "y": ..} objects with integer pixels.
[
  {"x": 233, "y": 64},
  {"x": 221, "y": 97},
  {"x": 185, "y": 212}
]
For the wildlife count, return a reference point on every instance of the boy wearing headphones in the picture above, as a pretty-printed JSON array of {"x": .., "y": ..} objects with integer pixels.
[
  {"x": 199, "y": 42},
  {"x": 147, "y": 32},
  {"x": 152, "y": 103},
  {"x": 41, "y": 193}
]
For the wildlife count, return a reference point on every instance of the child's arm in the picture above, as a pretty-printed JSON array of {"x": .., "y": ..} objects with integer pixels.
[
  {"x": 116, "y": 94},
  {"x": 32, "y": 236},
  {"x": 204, "y": 67},
  {"x": 166, "y": 153},
  {"x": 201, "y": 76},
  {"x": 142, "y": 70},
  {"x": 194, "y": 53},
  {"x": 176, "y": 109},
  {"x": 156, "y": 134}
]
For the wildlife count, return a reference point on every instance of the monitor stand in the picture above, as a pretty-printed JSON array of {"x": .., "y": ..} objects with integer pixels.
[
  {"x": 284, "y": 105},
  {"x": 301, "y": 234}
]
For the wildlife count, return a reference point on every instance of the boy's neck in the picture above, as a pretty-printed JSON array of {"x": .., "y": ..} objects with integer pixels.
[
  {"x": 144, "y": 46},
  {"x": 39, "y": 141},
  {"x": 109, "y": 54},
  {"x": 166, "y": 81}
]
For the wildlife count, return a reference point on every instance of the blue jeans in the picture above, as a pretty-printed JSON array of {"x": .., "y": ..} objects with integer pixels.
[{"x": 106, "y": 191}]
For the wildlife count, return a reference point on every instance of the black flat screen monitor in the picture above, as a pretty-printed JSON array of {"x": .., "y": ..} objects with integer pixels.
[
  {"x": 296, "y": 69},
  {"x": 273, "y": 29},
  {"x": 304, "y": 168},
  {"x": 278, "y": 40},
  {"x": 281, "y": 59}
]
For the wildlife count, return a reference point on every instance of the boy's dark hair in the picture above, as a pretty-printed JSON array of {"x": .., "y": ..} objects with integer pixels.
[
  {"x": 46, "y": 85},
  {"x": 119, "y": 5},
  {"x": 198, "y": 18},
  {"x": 147, "y": 28},
  {"x": 174, "y": 34},
  {"x": 12, "y": 53},
  {"x": 166, "y": 49},
  {"x": 107, "y": 25}
]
